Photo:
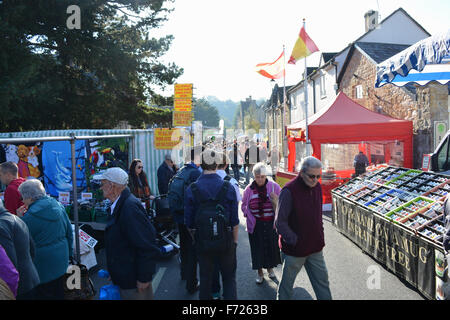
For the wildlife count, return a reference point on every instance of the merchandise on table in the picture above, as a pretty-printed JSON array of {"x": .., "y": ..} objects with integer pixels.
[{"x": 406, "y": 196}]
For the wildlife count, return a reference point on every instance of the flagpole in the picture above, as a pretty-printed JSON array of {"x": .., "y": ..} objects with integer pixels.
[{"x": 306, "y": 103}]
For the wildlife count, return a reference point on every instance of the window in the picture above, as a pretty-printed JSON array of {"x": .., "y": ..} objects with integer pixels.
[
  {"x": 359, "y": 92},
  {"x": 323, "y": 92},
  {"x": 442, "y": 155}
]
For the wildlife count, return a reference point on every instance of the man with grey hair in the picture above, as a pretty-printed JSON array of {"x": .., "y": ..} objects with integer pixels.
[
  {"x": 130, "y": 243},
  {"x": 298, "y": 220}
]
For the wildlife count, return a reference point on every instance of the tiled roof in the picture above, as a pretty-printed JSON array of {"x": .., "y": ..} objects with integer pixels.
[{"x": 381, "y": 51}]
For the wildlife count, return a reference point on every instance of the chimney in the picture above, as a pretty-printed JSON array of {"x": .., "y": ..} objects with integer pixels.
[{"x": 371, "y": 19}]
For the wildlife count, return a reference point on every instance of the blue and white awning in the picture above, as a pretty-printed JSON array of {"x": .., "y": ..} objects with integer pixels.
[{"x": 429, "y": 57}]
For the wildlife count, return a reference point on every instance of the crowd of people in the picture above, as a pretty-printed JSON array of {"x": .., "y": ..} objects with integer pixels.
[{"x": 284, "y": 226}]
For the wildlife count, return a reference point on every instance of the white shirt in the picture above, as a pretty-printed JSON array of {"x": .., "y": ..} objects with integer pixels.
[
  {"x": 114, "y": 205},
  {"x": 222, "y": 174}
]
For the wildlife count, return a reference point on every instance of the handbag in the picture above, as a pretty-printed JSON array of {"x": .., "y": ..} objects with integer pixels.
[{"x": 86, "y": 291}]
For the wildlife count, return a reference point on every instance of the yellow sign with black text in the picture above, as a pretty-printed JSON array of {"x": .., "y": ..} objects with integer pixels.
[
  {"x": 182, "y": 118},
  {"x": 166, "y": 139}
]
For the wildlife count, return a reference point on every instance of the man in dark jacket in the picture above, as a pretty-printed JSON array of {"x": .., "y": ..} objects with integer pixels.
[
  {"x": 209, "y": 186},
  {"x": 130, "y": 243},
  {"x": 298, "y": 221},
  {"x": 9, "y": 176},
  {"x": 360, "y": 163},
  {"x": 165, "y": 172},
  {"x": 16, "y": 240}
]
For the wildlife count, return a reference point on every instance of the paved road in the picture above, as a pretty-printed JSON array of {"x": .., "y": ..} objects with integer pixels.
[{"x": 347, "y": 267}]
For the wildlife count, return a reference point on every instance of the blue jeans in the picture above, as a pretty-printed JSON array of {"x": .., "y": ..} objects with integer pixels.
[{"x": 316, "y": 270}]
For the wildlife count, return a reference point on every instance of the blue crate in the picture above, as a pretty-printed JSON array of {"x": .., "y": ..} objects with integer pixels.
[{"x": 390, "y": 192}]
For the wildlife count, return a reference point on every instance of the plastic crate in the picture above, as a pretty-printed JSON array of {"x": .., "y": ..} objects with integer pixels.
[
  {"x": 406, "y": 174},
  {"x": 407, "y": 208}
]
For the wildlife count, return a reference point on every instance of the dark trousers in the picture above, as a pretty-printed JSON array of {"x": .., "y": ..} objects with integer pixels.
[
  {"x": 188, "y": 258},
  {"x": 236, "y": 172},
  {"x": 227, "y": 268},
  {"x": 215, "y": 288},
  {"x": 53, "y": 290}
]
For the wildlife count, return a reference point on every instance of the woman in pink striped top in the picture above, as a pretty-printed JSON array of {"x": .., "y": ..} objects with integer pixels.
[{"x": 258, "y": 203}]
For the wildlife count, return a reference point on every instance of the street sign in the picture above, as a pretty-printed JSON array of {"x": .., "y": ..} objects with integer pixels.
[
  {"x": 182, "y": 104},
  {"x": 166, "y": 139},
  {"x": 182, "y": 118},
  {"x": 183, "y": 91}
]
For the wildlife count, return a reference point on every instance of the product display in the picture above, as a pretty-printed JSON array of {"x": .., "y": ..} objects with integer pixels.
[{"x": 411, "y": 198}]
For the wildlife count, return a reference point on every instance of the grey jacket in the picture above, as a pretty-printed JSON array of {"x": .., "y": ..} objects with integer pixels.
[{"x": 18, "y": 244}]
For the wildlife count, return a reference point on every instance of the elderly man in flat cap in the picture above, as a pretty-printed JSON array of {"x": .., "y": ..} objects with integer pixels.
[{"x": 130, "y": 244}]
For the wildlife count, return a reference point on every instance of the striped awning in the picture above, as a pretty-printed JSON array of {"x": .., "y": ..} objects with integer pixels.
[{"x": 426, "y": 57}]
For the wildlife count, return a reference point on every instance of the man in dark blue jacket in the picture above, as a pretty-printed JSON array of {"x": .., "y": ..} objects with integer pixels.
[
  {"x": 16, "y": 240},
  {"x": 165, "y": 172},
  {"x": 130, "y": 243},
  {"x": 209, "y": 185}
]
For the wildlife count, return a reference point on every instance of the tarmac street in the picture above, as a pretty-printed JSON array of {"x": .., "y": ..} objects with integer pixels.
[{"x": 353, "y": 275}]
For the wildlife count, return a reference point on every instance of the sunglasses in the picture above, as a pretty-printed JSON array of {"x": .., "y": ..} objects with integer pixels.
[
  {"x": 140, "y": 167},
  {"x": 311, "y": 176}
]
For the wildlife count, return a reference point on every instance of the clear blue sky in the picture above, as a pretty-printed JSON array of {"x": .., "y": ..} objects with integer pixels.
[{"x": 218, "y": 42}]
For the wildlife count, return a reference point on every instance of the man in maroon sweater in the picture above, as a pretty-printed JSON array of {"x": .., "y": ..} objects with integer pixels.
[
  {"x": 298, "y": 220},
  {"x": 9, "y": 176}
]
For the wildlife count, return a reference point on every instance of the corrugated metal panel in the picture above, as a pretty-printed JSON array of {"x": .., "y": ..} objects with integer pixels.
[{"x": 143, "y": 146}]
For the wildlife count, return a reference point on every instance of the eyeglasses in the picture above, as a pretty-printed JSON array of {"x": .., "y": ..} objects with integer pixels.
[
  {"x": 311, "y": 176},
  {"x": 140, "y": 167}
]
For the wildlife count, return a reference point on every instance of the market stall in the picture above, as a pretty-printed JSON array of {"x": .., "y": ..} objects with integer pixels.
[
  {"x": 349, "y": 125},
  {"x": 395, "y": 214}
]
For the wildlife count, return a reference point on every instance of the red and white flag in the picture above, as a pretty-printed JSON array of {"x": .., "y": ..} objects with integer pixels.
[{"x": 272, "y": 70}]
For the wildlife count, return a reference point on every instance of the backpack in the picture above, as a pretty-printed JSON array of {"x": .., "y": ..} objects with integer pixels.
[
  {"x": 213, "y": 232},
  {"x": 177, "y": 186},
  {"x": 227, "y": 178}
]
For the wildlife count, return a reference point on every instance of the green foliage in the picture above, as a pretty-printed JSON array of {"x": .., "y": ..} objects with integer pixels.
[
  {"x": 52, "y": 77},
  {"x": 226, "y": 109},
  {"x": 205, "y": 112}
]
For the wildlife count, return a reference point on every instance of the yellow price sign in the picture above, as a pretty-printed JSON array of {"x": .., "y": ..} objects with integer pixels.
[
  {"x": 166, "y": 139},
  {"x": 181, "y": 118},
  {"x": 183, "y": 90}
]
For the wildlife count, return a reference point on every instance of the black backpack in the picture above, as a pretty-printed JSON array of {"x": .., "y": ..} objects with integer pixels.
[
  {"x": 213, "y": 231},
  {"x": 177, "y": 187}
]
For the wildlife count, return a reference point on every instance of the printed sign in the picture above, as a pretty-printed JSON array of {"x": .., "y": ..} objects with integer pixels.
[
  {"x": 182, "y": 118},
  {"x": 90, "y": 242},
  {"x": 182, "y": 104},
  {"x": 86, "y": 196},
  {"x": 166, "y": 139},
  {"x": 183, "y": 90},
  {"x": 64, "y": 197},
  {"x": 426, "y": 162}
]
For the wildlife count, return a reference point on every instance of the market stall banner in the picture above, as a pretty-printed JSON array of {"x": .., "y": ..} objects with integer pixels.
[
  {"x": 28, "y": 158},
  {"x": 57, "y": 162},
  {"x": 408, "y": 256},
  {"x": 167, "y": 139}
]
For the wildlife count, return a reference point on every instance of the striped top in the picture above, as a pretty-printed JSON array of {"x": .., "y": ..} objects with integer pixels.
[{"x": 267, "y": 213}]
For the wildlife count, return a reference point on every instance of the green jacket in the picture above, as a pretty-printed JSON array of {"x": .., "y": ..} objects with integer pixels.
[{"x": 51, "y": 231}]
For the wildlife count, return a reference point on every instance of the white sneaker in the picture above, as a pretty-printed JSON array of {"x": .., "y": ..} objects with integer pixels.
[{"x": 259, "y": 279}]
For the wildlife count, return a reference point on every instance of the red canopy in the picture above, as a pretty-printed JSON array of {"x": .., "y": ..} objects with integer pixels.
[{"x": 346, "y": 121}]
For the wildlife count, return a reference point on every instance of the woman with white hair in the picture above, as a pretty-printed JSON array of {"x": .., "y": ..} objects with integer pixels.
[
  {"x": 51, "y": 231},
  {"x": 258, "y": 205}
]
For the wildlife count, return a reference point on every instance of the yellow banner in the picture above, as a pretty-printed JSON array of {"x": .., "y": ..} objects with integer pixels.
[
  {"x": 163, "y": 138},
  {"x": 182, "y": 118},
  {"x": 183, "y": 105},
  {"x": 183, "y": 91}
]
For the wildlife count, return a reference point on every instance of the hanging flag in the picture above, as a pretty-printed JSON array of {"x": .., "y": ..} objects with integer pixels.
[
  {"x": 303, "y": 47},
  {"x": 273, "y": 70}
]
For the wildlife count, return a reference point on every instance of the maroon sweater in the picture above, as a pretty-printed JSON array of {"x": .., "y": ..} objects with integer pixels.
[
  {"x": 299, "y": 219},
  {"x": 13, "y": 199}
]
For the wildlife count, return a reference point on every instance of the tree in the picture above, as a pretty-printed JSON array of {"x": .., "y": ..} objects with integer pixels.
[
  {"x": 205, "y": 112},
  {"x": 53, "y": 77}
]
